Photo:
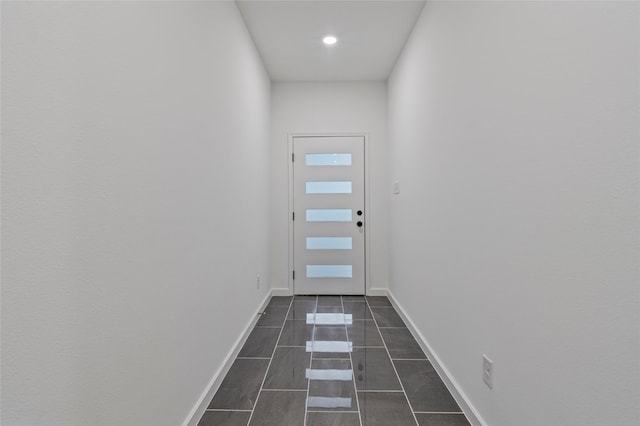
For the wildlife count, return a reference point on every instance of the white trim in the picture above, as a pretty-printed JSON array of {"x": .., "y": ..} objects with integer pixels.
[
  {"x": 290, "y": 266},
  {"x": 201, "y": 405},
  {"x": 281, "y": 292},
  {"x": 367, "y": 200},
  {"x": 369, "y": 216},
  {"x": 377, "y": 291},
  {"x": 454, "y": 388}
]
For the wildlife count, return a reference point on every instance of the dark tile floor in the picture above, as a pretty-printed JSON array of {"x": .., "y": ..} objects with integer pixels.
[{"x": 332, "y": 361}]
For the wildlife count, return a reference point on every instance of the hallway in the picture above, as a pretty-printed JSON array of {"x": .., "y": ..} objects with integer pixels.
[
  {"x": 156, "y": 159},
  {"x": 308, "y": 345}
]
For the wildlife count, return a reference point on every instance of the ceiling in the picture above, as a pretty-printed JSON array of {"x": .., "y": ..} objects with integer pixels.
[{"x": 371, "y": 35}]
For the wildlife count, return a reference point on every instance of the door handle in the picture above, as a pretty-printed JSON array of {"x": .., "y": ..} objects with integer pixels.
[
  {"x": 359, "y": 213},
  {"x": 359, "y": 224}
]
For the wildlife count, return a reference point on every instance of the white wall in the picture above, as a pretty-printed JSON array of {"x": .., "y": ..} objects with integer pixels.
[
  {"x": 329, "y": 108},
  {"x": 134, "y": 206},
  {"x": 514, "y": 134}
]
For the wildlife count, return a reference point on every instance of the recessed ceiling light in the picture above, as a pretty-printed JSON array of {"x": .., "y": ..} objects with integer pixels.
[{"x": 329, "y": 40}]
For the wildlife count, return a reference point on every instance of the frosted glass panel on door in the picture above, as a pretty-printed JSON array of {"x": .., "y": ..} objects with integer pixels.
[
  {"x": 329, "y": 243},
  {"x": 329, "y": 215},
  {"x": 328, "y": 187},
  {"x": 342, "y": 159},
  {"x": 329, "y": 271}
]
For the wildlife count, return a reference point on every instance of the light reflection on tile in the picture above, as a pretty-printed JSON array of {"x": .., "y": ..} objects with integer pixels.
[
  {"x": 328, "y": 402},
  {"x": 334, "y": 366},
  {"x": 329, "y": 319},
  {"x": 334, "y": 389},
  {"x": 328, "y": 346},
  {"x": 329, "y": 374}
]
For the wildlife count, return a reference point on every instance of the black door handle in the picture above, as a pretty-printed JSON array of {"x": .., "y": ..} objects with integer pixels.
[
  {"x": 359, "y": 224},
  {"x": 359, "y": 212}
]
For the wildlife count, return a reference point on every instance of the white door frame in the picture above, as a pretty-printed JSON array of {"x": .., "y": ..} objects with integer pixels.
[{"x": 368, "y": 215}]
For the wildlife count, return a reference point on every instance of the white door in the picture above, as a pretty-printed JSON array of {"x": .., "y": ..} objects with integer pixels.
[{"x": 329, "y": 216}]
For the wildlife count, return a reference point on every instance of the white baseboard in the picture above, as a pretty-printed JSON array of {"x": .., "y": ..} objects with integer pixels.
[
  {"x": 377, "y": 292},
  {"x": 281, "y": 292},
  {"x": 199, "y": 408},
  {"x": 288, "y": 292},
  {"x": 472, "y": 414}
]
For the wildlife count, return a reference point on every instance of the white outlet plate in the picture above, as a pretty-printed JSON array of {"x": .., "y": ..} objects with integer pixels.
[{"x": 487, "y": 371}]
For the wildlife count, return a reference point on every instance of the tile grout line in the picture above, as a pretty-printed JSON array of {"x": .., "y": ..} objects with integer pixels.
[
  {"x": 415, "y": 419},
  {"x": 313, "y": 337},
  {"x": 353, "y": 373},
  {"x": 270, "y": 361},
  {"x": 440, "y": 412}
]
